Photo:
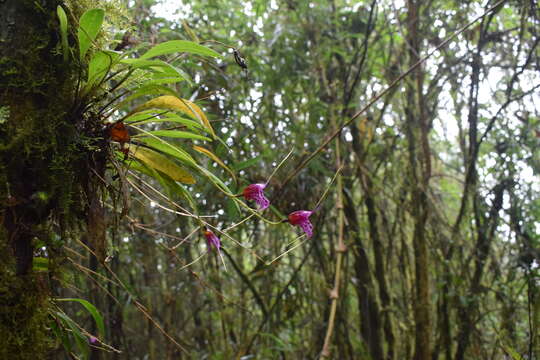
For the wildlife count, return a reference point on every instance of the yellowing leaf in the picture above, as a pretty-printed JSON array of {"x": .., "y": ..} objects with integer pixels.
[
  {"x": 212, "y": 156},
  {"x": 170, "y": 102},
  {"x": 161, "y": 163}
]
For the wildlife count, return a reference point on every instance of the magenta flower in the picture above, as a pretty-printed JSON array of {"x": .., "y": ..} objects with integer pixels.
[
  {"x": 212, "y": 240},
  {"x": 301, "y": 218},
  {"x": 255, "y": 192},
  {"x": 92, "y": 339}
]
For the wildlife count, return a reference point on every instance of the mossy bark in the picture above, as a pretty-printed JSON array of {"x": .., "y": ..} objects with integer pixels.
[{"x": 38, "y": 151}]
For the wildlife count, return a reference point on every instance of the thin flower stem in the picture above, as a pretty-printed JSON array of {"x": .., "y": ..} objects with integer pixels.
[
  {"x": 288, "y": 251},
  {"x": 138, "y": 305},
  {"x": 186, "y": 238},
  {"x": 209, "y": 287},
  {"x": 321, "y": 199},
  {"x": 256, "y": 213},
  {"x": 197, "y": 217},
  {"x": 291, "y": 243},
  {"x": 238, "y": 223},
  {"x": 222, "y": 260},
  {"x": 235, "y": 241},
  {"x": 194, "y": 261},
  {"x": 167, "y": 198},
  {"x": 158, "y": 204},
  {"x": 146, "y": 228},
  {"x": 252, "y": 211},
  {"x": 279, "y": 165},
  {"x": 217, "y": 42}
]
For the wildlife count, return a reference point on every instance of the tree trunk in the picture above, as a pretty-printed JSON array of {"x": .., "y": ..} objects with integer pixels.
[
  {"x": 36, "y": 177},
  {"x": 370, "y": 321},
  {"x": 417, "y": 130}
]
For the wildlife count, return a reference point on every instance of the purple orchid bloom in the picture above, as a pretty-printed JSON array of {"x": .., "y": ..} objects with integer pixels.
[
  {"x": 301, "y": 218},
  {"x": 212, "y": 240},
  {"x": 255, "y": 192}
]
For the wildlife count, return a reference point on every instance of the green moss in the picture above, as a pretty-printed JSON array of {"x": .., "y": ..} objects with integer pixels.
[
  {"x": 45, "y": 168},
  {"x": 23, "y": 317},
  {"x": 51, "y": 146}
]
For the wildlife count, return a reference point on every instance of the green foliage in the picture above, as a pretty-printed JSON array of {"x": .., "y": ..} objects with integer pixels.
[
  {"x": 75, "y": 336},
  {"x": 98, "y": 318},
  {"x": 62, "y": 17},
  {"x": 22, "y": 302},
  {"x": 99, "y": 66},
  {"x": 89, "y": 26},
  {"x": 178, "y": 46}
]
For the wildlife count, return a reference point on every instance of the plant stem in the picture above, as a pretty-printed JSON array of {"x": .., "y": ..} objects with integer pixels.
[{"x": 340, "y": 249}]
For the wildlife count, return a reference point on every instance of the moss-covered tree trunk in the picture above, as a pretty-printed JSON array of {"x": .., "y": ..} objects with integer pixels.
[
  {"x": 419, "y": 153},
  {"x": 37, "y": 153}
]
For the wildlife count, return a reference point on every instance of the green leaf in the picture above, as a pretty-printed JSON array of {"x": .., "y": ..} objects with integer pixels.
[
  {"x": 161, "y": 163},
  {"x": 136, "y": 165},
  {"x": 62, "y": 17},
  {"x": 159, "y": 67},
  {"x": 145, "y": 115},
  {"x": 89, "y": 26},
  {"x": 173, "y": 118},
  {"x": 176, "y": 46},
  {"x": 177, "y": 104},
  {"x": 61, "y": 334},
  {"x": 190, "y": 124},
  {"x": 80, "y": 339},
  {"x": 164, "y": 80},
  {"x": 247, "y": 163},
  {"x": 149, "y": 89},
  {"x": 169, "y": 149},
  {"x": 99, "y": 67},
  {"x": 165, "y": 181},
  {"x": 174, "y": 188},
  {"x": 231, "y": 209},
  {"x": 176, "y": 134},
  {"x": 93, "y": 311},
  {"x": 40, "y": 264}
]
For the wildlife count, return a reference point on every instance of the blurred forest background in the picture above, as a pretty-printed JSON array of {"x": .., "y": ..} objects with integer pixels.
[{"x": 426, "y": 241}]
